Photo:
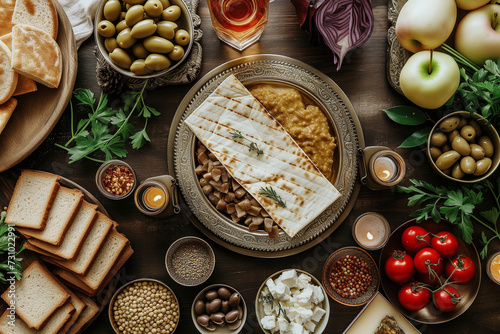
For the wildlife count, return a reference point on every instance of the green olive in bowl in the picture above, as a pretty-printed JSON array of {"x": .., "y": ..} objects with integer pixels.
[{"x": 462, "y": 147}]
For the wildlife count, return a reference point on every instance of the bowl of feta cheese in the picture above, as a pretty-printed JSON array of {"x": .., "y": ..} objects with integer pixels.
[{"x": 292, "y": 301}]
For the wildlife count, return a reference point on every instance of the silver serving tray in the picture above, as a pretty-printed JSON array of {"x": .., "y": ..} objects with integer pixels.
[
  {"x": 343, "y": 120},
  {"x": 396, "y": 54}
]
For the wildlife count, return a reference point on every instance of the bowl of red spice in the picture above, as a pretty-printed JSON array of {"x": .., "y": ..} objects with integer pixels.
[
  {"x": 115, "y": 179},
  {"x": 190, "y": 261},
  {"x": 350, "y": 276}
]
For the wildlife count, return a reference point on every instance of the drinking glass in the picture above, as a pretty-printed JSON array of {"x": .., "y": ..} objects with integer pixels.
[{"x": 239, "y": 23}]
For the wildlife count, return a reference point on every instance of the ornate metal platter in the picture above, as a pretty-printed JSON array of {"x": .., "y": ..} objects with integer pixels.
[
  {"x": 396, "y": 54},
  {"x": 345, "y": 126}
]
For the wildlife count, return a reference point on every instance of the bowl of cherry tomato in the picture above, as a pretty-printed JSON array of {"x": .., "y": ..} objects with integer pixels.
[{"x": 428, "y": 272}]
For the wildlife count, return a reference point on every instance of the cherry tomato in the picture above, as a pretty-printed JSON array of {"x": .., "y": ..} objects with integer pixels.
[
  {"x": 428, "y": 258},
  {"x": 430, "y": 278},
  {"x": 445, "y": 243},
  {"x": 460, "y": 269},
  {"x": 399, "y": 267},
  {"x": 415, "y": 238},
  {"x": 446, "y": 299},
  {"x": 413, "y": 296}
]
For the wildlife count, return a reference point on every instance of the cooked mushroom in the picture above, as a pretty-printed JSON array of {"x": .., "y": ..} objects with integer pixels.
[
  {"x": 221, "y": 205},
  {"x": 274, "y": 234}
]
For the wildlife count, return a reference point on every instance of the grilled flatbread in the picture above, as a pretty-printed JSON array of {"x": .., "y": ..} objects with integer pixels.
[
  {"x": 6, "y": 111},
  {"x": 282, "y": 167},
  {"x": 8, "y": 77}
]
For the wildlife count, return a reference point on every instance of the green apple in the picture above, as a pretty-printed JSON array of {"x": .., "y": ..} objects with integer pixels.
[
  {"x": 478, "y": 34},
  {"x": 471, "y": 4},
  {"x": 425, "y": 24},
  {"x": 429, "y": 82}
]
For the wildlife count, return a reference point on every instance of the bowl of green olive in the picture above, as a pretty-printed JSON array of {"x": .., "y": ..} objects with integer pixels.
[
  {"x": 463, "y": 147},
  {"x": 144, "y": 38}
]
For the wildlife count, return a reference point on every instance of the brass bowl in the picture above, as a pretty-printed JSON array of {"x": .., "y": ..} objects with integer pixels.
[
  {"x": 490, "y": 131},
  {"x": 429, "y": 314},
  {"x": 185, "y": 22},
  {"x": 372, "y": 289}
]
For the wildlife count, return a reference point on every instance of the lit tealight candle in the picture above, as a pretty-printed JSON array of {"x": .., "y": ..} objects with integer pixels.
[
  {"x": 371, "y": 230},
  {"x": 385, "y": 168},
  {"x": 494, "y": 268},
  {"x": 153, "y": 198}
]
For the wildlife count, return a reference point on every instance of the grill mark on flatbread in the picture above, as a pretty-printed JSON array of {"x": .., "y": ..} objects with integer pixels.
[{"x": 284, "y": 166}]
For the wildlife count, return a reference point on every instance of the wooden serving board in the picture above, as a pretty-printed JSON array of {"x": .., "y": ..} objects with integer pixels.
[{"x": 37, "y": 113}]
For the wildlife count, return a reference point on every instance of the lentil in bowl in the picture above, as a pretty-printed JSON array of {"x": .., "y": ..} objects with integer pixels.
[{"x": 144, "y": 304}]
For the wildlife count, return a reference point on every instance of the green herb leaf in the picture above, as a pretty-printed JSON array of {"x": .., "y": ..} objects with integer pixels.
[
  {"x": 139, "y": 139},
  {"x": 406, "y": 115},
  {"x": 271, "y": 193},
  {"x": 418, "y": 138},
  {"x": 85, "y": 96}
]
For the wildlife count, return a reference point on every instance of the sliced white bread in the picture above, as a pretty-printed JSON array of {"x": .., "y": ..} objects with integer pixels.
[
  {"x": 24, "y": 84},
  {"x": 34, "y": 248},
  {"x": 38, "y": 295},
  {"x": 6, "y": 111},
  {"x": 91, "y": 309},
  {"x": 79, "y": 306},
  {"x": 61, "y": 214},
  {"x": 39, "y": 13},
  {"x": 105, "y": 260},
  {"x": 53, "y": 326},
  {"x": 6, "y": 10},
  {"x": 8, "y": 77},
  {"x": 74, "y": 237},
  {"x": 77, "y": 283},
  {"x": 90, "y": 247},
  {"x": 33, "y": 196},
  {"x": 36, "y": 55}
]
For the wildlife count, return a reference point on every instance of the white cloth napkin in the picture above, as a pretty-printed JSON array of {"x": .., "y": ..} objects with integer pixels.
[{"x": 81, "y": 14}]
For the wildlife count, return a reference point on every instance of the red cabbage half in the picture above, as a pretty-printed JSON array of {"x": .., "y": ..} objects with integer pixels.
[{"x": 342, "y": 25}]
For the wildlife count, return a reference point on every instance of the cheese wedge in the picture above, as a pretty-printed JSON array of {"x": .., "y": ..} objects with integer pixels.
[{"x": 283, "y": 167}]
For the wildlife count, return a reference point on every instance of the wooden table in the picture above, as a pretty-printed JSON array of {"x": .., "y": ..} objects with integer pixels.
[{"x": 362, "y": 78}]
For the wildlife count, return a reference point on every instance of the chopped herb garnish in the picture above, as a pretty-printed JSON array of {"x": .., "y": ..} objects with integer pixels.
[
  {"x": 271, "y": 193},
  {"x": 252, "y": 147},
  {"x": 270, "y": 300}
]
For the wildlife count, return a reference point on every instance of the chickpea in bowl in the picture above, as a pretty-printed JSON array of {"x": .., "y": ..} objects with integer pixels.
[
  {"x": 463, "y": 148},
  {"x": 144, "y": 38}
]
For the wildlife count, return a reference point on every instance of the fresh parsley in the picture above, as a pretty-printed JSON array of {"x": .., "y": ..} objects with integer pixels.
[
  {"x": 12, "y": 263},
  {"x": 458, "y": 204},
  {"x": 106, "y": 129},
  {"x": 271, "y": 193},
  {"x": 252, "y": 147}
]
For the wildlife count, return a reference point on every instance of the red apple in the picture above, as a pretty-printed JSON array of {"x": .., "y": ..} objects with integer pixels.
[{"x": 478, "y": 34}]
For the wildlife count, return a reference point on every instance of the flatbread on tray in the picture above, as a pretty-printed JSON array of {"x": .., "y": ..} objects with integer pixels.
[{"x": 282, "y": 167}]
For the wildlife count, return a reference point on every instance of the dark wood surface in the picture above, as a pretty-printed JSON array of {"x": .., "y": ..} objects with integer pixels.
[{"x": 362, "y": 78}]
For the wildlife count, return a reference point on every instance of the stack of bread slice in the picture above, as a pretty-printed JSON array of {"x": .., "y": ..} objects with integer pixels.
[
  {"x": 29, "y": 51},
  {"x": 79, "y": 243}
]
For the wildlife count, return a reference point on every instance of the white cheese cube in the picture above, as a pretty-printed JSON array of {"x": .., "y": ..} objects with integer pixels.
[
  {"x": 289, "y": 278},
  {"x": 282, "y": 291},
  {"x": 305, "y": 296},
  {"x": 271, "y": 286},
  {"x": 318, "y": 295},
  {"x": 268, "y": 322},
  {"x": 283, "y": 325},
  {"x": 291, "y": 312},
  {"x": 318, "y": 313},
  {"x": 297, "y": 328},
  {"x": 303, "y": 280},
  {"x": 268, "y": 309},
  {"x": 304, "y": 314},
  {"x": 310, "y": 326}
]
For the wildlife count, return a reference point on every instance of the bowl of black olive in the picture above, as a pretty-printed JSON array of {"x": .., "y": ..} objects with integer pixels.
[
  {"x": 219, "y": 309},
  {"x": 143, "y": 38}
]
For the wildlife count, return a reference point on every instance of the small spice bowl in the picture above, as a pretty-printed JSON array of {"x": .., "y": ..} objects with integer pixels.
[
  {"x": 220, "y": 309},
  {"x": 161, "y": 297},
  {"x": 190, "y": 261},
  {"x": 363, "y": 262},
  {"x": 115, "y": 179},
  {"x": 493, "y": 268}
]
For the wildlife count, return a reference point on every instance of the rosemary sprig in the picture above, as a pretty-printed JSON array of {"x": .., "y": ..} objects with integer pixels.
[
  {"x": 271, "y": 193},
  {"x": 270, "y": 299},
  {"x": 252, "y": 147}
]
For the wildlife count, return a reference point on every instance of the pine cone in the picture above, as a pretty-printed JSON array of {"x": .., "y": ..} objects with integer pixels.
[{"x": 111, "y": 81}]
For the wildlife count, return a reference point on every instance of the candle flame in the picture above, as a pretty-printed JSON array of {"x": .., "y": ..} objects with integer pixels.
[
  {"x": 157, "y": 198},
  {"x": 387, "y": 174},
  {"x": 369, "y": 236}
]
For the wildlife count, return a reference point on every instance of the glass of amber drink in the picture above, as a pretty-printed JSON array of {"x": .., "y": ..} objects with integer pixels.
[{"x": 239, "y": 23}]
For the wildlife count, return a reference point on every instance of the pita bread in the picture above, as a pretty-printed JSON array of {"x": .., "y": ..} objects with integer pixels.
[
  {"x": 24, "y": 85},
  {"x": 8, "y": 77},
  {"x": 283, "y": 167},
  {"x": 36, "y": 55},
  {"x": 6, "y": 10},
  {"x": 38, "y": 13},
  {"x": 6, "y": 111}
]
